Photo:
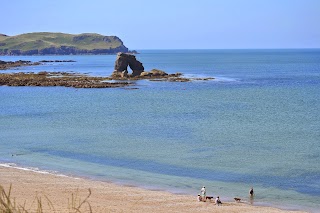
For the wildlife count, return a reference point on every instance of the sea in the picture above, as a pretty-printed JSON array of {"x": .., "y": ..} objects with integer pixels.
[{"x": 256, "y": 124}]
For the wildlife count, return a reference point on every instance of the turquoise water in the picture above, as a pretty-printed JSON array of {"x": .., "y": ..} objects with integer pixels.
[{"x": 257, "y": 124}]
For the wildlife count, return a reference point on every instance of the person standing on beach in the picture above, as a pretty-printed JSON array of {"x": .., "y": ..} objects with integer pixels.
[
  {"x": 218, "y": 201},
  {"x": 251, "y": 192},
  {"x": 203, "y": 193}
]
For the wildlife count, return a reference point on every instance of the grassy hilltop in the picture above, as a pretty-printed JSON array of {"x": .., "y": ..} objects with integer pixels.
[{"x": 45, "y": 43}]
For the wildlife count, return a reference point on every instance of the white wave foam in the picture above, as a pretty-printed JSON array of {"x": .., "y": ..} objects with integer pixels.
[
  {"x": 215, "y": 78},
  {"x": 225, "y": 79},
  {"x": 32, "y": 169}
]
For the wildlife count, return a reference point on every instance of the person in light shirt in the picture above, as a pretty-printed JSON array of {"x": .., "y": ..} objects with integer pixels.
[{"x": 203, "y": 193}]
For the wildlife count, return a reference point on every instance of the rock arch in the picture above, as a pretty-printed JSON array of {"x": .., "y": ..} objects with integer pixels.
[{"x": 121, "y": 65}]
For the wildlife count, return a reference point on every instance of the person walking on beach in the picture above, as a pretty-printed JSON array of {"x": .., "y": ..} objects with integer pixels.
[{"x": 203, "y": 193}]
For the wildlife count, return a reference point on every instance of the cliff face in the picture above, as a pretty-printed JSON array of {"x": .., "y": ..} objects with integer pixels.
[
  {"x": 63, "y": 50},
  {"x": 60, "y": 44}
]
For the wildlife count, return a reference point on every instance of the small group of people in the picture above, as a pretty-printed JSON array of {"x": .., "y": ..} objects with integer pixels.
[{"x": 203, "y": 196}]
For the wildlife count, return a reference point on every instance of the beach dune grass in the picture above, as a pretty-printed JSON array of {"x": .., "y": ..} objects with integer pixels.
[{"x": 9, "y": 205}]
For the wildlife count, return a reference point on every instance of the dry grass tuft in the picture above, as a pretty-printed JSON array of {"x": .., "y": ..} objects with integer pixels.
[{"x": 9, "y": 205}]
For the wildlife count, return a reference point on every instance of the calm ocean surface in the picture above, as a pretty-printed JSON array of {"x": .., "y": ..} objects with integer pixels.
[{"x": 257, "y": 124}]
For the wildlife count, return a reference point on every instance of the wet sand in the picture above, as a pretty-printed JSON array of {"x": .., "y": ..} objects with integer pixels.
[{"x": 27, "y": 186}]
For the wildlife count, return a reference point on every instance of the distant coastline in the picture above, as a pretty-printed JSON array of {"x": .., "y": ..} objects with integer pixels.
[{"x": 48, "y": 43}]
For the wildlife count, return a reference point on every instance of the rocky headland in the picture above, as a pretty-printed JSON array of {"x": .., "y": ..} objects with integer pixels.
[{"x": 47, "y": 43}]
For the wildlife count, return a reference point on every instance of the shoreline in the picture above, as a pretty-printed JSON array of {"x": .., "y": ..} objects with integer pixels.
[{"x": 28, "y": 185}]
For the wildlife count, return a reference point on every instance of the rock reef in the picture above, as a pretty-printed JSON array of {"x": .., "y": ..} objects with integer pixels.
[
  {"x": 9, "y": 64},
  {"x": 119, "y": 78},
  {"x": 50, "y": 79}
]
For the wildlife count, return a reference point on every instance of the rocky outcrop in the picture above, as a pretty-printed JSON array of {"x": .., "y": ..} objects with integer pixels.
[
  {"x": 9, "y": 64},
  {"x": 121, "y": 70},
  {"x": 121, "y": 65}
]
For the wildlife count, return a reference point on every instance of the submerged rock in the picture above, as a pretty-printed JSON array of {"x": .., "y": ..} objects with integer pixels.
[{"x": 56, "y": 61}]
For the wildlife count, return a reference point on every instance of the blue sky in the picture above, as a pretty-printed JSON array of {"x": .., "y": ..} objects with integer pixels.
[{"x": 173, "y": 24}]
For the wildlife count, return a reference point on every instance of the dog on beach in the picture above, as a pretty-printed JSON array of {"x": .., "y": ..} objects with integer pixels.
[
  {"x": 209, "y": 198},
  {"x": 237, "y": 199}
]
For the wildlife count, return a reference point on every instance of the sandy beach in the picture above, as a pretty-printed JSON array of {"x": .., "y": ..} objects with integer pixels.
[{"x": 28, "y": 186}]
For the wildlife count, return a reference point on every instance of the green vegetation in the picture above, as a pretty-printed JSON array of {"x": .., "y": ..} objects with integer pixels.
[
  {"x": 2, "y": 37},
  {"x": 60, "y": 43},
  {"x": 9, "y": 205}
]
